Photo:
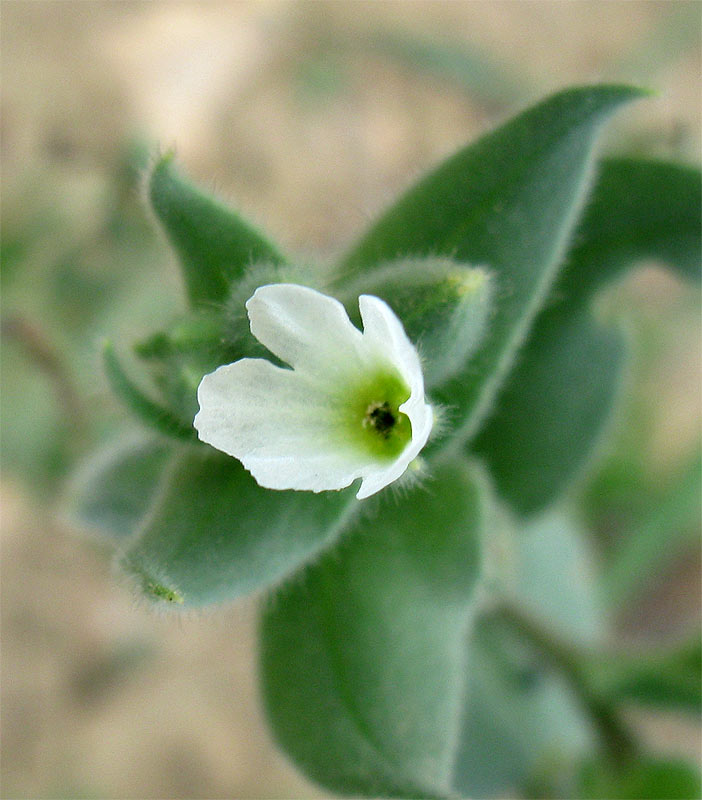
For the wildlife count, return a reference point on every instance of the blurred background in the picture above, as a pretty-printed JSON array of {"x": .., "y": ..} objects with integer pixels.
[{"x": 309, "y": 117}]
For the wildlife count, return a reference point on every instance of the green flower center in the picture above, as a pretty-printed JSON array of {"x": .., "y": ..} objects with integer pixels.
[
  {"x": 373, "y": 420},
  {"x": 381, "y": 417}
]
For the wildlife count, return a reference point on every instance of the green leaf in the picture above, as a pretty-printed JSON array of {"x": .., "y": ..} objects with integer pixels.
[
  {"x": 149, "y": 411},
  {"x": 670, "y": 526},
  {"x": 556, "y": 578},
  {"x": 214, "y": 244},
  {"x": 667, "y": 679},
  {"x": 114, "y": 489},
  {"x": 650, "y": 778},
  {"x": 37, "y": 445},
  {"x": 554, "y": 407},
  {"x": 551, "y": 413},
  {"x": 198, "y": 331},
  {"x": 640, "y": 209},
  {"x": 215, "y": 534},
  {"x": 461, "y": 63},
  {"x": 508, "y": 202},
  {"x": 521, "y": 719},
  {"x": 362, "y": 655},
  {"x": 444, "y": 307}
]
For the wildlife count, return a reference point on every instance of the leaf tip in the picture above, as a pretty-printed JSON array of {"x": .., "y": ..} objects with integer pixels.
[
  {"x": 468, "y": 281},
  {"x": 163, "y": 159},
  {"x": 107, "y": 350},
  {"x": 163, "y": 163},
  {"x": 148, "y": 583},
  {"x": 160, "y": 592}
]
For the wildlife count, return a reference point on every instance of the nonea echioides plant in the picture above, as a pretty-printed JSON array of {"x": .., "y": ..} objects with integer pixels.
[{"x": 382, "y": 452}]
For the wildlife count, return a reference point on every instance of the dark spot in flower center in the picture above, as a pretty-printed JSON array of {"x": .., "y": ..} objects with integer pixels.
[{"x": 381, "y": 417}]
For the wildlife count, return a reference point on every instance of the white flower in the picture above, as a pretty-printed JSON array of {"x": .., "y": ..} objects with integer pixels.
[{"x": 353, "y": 405}]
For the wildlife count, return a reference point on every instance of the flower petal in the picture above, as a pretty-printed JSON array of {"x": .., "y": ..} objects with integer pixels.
[
  {"x": 279, "y": 425},
  {"x": 384, "y": 334},
  {"x": 383, "y": 331},
  {"x": 297, "y": 429},
  {"x": 306, "y": 329},
  {"x": 378, "y": 478}
]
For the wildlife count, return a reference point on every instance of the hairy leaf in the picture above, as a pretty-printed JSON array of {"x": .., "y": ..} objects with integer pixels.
[
  {"x": 150, "y": 411},
  {"x": 508, "y": 202},
  {"x": 444, "y": 307},
  {"x": 215, "y": 534},
  {"x": 522, "y": 719},
  {"x": 558, "y": 399},
  {"x": 362, "y": 655},
  {"x": 213, "y": 243},
  {"x": 114, "y": 489}
]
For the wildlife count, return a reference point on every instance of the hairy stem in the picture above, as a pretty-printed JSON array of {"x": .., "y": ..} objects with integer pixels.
[
  {"x": 47, "y": 358},
  {"x": 616, "y": 739}
]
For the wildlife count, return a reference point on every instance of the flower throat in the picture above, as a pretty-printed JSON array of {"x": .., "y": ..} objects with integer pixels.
[{"x": 381, "y": 418}]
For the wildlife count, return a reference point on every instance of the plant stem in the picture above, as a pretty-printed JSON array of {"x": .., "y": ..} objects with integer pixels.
[
  {"x": 47, "y": 358},
  {"x": 617, "y": 740}
]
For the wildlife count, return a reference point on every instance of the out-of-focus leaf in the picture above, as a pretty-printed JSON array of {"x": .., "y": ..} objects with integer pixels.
[
  {"x": 522, "y": 721},
  {"x": 114, "y": 489},
  {"x": 191, "y": 334},
  {"x": 552, "y": 411},
  {"x": 214, "y": 534},
  {"x": 648, "y": 778},
  {"x": 36, "y": 434},
  {"x": 557, "y": 578},
  {"x": 646, "y": 551},
  {"x": 213, "y": 243},
  {"x": 640, "y": 209},
  {"x": 463, "y": 64},
  {"x": 508, "y": 202},
  {"x": 554, "y": 407},
  {"x": 363, "y": 654},
  {"x": 151, "y": 412},
  {"x": 667, "y": 679},
  {"x": 444, "y": 307}
]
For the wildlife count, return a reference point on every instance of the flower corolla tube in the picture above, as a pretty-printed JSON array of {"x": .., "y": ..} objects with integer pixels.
[{"x": 352, "y": 406}]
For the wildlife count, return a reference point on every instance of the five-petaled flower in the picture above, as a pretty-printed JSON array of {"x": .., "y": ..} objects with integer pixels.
[{"x": 352, "y": 406}]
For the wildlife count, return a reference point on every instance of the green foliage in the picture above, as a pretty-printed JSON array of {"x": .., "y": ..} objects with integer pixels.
[
  {"x": 115, "y": 488},
  {"x": 213, "y": 534},
  {"x": 191, "y": 334},
  {"x": 150, "y": 411},
  {"x": 444, "y": 307},
  {"x": 362, "y": 654},
  {"x": 668, "y": 678},
  {"x": 391, "y": 663},
  {"x": 556, "y": 577},
  {"x": 653, "y": 779},
  {"x": 522, "y": 721},
  {"x": 640, "y": 209},
  {"x": 213, "y": 243},
  {"x": 71, "y": 270},
  {"x": 508, "y": 201},
  {"x": 551, "y": 413},
  {"x": 37, "y": 444},
  {"x": 658, "y": 537}
]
